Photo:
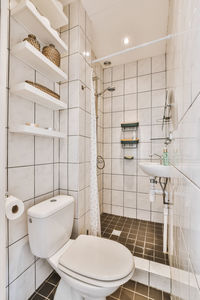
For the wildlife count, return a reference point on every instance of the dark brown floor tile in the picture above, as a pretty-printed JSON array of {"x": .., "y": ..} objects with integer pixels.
[
  {"x": 138, "y": 249},
  {"x": 159, "y": 260},
  {"x": 130, "y": 246},
  {"x": 37, "y": 297},
  {"x": 46, "y": 289},
  {"x": 106, "y": 235},
  {"x": 51, "y": 296},
  {"x": 114, "y": 237},
  {"x": 148, "y": 252},
  {"x": 139, "y": 243},
  {"x": 138, "y": 254},
  {"x": 155, "y": 294},
  {"x": 126, "y": 295},
  {"x": 159, "y": 254},
  {"x": 142, "y": 289},
  {"x": 54, "y": 278},
  {"x": 166, "y": 296},
  {"x": 140, "y": 297},
  {"x": 149, "y": 246},
  {"x": 116, "y": 294},
  {"x": 148, "y": 257},
  {"x": 130, "y": 285}
]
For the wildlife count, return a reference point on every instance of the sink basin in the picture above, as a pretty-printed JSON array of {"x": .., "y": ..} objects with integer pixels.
[{"x": 155, "y": 169}]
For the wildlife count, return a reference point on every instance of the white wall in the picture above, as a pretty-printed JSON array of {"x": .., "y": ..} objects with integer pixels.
[
  {"x": 139, "y": 96},
  {"x": 183, "y": 73}
]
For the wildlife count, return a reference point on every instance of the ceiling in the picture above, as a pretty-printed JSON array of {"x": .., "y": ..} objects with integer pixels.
[{"x": 140, "y": 20}]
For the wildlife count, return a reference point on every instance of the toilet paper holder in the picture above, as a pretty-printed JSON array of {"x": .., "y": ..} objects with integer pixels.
[{"x": 14, "y": 207}]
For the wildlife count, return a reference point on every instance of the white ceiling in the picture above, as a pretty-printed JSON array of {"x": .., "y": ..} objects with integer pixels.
[{"x": 140, "y": 20}]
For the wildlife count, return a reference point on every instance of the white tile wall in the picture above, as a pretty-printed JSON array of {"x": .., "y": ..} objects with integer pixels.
[
  {"x": 183, "y": 59},
  {"x": 40, "y": 168},
  {"x": 126, "y": 188}
]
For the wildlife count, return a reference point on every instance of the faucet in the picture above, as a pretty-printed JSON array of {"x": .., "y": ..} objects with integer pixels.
[{"x": 154, "y": 154}]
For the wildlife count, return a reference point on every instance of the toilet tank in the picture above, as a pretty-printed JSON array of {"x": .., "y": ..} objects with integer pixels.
[{"x": 50, "y": 225}]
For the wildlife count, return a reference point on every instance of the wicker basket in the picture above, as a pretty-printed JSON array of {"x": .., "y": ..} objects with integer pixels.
[
  {"x": 33, "y": 41},
  {"x": 44, "y": 89},
  {"x": 52, "y": 54}
]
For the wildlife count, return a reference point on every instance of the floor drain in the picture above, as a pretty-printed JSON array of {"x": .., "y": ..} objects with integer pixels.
[{"x": 116, "y": 232}]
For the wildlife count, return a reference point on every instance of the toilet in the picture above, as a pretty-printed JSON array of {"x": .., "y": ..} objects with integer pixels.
[{"x": 91, "y": 268}]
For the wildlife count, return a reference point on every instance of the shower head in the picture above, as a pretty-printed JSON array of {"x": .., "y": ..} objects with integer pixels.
[{"x": 110, "y": 89}]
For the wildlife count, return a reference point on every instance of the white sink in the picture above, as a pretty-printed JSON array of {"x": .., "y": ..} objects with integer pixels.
[{"x": 155, "y": 169}]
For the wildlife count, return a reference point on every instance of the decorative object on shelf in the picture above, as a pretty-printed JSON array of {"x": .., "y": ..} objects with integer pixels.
[
  {"x": 52, "y": 54},
  {"x": 128, "y": 157},
  {"x": 32, "y": 124},
  {"x": 44, "y": 89},
  {"x": 33, "y": 41}
]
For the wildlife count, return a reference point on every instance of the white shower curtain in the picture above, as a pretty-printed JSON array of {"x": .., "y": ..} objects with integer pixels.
[{"x": 95, "y": 227}]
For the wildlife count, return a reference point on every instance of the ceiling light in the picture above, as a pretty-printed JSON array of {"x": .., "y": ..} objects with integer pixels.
[{"x": 126, "y": 41}]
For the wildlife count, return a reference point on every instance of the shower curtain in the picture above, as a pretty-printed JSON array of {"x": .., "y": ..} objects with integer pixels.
[{"x": 95, "y": 227}]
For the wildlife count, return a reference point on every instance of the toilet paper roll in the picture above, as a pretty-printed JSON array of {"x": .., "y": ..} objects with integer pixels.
[{"x": 14, "y": 208}]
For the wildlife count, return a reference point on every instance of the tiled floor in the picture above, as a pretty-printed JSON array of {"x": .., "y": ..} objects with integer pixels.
[
  {"x": 129, "y": 291},
  {"x": 137, "y": 291},
  {"x": 144, "y": 239},
  {"x": 47, "y": 289}
]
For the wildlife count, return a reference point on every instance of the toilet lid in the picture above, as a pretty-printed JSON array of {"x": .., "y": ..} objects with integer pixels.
[{"x": 97, "y": 258}]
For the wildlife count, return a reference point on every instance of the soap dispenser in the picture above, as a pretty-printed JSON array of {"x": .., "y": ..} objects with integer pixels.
[{"x": 165, "y": 157}]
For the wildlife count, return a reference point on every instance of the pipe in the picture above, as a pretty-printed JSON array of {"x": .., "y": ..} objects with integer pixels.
[
  {"x": 153, "y": 192},
  {"x": 165, "y": 228},
  {"x": 171, "y": 241}
]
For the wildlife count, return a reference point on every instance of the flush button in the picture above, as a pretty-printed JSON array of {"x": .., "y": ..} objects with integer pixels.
[{"x": 53, "y": 200}]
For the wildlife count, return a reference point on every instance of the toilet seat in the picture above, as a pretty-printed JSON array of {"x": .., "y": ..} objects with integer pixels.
[{"x": 97, "y": 261}]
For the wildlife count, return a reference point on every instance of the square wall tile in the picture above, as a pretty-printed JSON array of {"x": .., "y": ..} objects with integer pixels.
[
  {"x": 144, "y": 83},
  {"x": 144, "y": 100},
  {"x": 21, "y": 182},
  {"x": 158, "y": 81},
  {"x": 158, "y": 63},
  {"x": 118, "y": 72},
  {"x": 24, "y": 286},
  {"x": 131, "y": 86},
  {"x": 20, "y": 258},
  {"x": 144, "y": 66},
  {"x": 131, "y": 70},
  {"x": 43, "y": 179}
]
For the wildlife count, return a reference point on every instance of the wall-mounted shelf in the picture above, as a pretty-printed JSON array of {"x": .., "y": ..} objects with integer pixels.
[
  {"x": 129, "y": 125},
  {"x": 36, "y": 131},
  {"x": 51, "y": 10},
  {"x": 33, "y": 94},
  {"x": 27, "y": 15},
  {"x": 35, "y": 59},
  {"x": 129, "y": 142}
]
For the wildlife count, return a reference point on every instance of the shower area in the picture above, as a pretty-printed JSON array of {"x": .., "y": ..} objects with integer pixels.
[{"x": 129, "y": 106}]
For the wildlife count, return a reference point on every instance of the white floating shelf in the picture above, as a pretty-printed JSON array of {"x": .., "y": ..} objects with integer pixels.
[
  {"x": 36, "y": 131},
  {"x": 27, "y": 15},
  {"x": 33, "y": 94},
  {"x": 34, "y": 58},
  {"x": 51, "y": 10}
]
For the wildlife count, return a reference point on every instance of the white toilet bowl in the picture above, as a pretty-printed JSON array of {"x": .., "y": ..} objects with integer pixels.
[
  {"x": 77, "y": 276},
  {"x": 91, "y": 268}
]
